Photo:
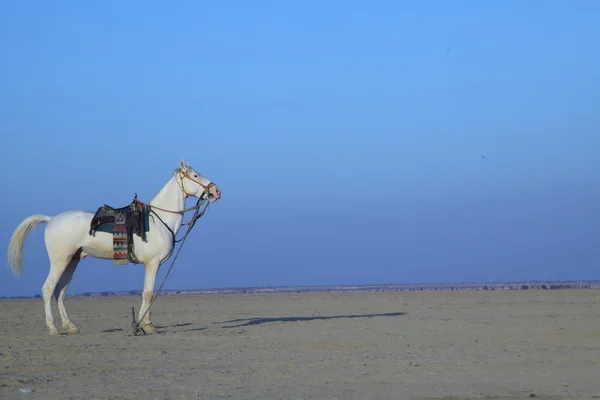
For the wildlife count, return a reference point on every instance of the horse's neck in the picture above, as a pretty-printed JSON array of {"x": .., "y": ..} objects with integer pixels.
[{"x": 171, "y": 198}]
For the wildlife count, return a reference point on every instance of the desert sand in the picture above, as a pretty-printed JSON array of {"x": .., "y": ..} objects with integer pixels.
[{"x": 377, "y": 345}]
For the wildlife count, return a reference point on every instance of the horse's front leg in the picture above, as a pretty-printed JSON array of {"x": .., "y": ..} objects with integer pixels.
[{"x": 149, "y": 280}]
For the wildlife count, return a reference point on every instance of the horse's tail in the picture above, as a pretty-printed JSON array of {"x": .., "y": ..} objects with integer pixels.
[{"x": 15, "y": 248}]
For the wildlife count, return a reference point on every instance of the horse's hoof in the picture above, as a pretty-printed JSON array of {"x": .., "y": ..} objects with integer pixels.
[
  {"x": 54, "y": 332},
  {"x": 73, "y": 330},
  {"x": 149, "y": 328}
]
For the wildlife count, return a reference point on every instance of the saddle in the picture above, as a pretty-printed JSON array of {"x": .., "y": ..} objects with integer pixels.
[{"x": 125, "y": 222}]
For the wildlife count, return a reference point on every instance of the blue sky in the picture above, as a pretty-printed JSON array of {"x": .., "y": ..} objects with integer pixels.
[{"x": 347, "y": 137}]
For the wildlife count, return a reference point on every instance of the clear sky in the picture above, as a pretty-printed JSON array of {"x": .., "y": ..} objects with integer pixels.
[{"x": 354, "y": 142}]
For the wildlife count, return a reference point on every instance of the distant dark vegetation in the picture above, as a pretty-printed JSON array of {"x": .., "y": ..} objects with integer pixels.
[
  {"x": 531, "y": 285},
  {"x": 546, "y": 287}
]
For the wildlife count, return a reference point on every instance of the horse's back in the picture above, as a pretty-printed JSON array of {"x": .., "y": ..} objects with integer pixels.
[
  {"x": 69, "y": 224},
  {"x": 72, "y": 218}
]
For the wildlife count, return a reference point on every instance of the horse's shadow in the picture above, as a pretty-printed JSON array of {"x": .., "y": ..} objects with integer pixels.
[
  {"x": 241, "y": 322},
  {"x": 179, "y": 325},
  {"x": 160, "y": 328},
  {"x": 164, "y": 328},
  {"x": 113, "y": 330},
  {"x": 260, "y": 321}
]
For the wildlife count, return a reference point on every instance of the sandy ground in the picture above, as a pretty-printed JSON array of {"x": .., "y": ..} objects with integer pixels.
[{"x": 403, "y": 345}]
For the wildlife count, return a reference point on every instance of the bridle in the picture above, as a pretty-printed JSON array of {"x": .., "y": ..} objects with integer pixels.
[
  {"x": 185, "y": 174},
  {"x": 182, "y": 175},
  {"x": 197, "y": 213}
]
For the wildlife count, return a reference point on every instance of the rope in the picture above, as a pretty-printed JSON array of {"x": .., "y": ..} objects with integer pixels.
[
  {"x": 171, "y": 211},
  {"x": 137, "y": 329}
]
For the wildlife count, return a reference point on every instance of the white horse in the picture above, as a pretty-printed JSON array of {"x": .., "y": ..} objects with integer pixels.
[{"x": 68, "y": 241}]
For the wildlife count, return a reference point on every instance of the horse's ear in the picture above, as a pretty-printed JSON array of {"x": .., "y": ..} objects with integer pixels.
[
  {"x": 189, "y": 165},
  {"x": 182, "y": 164}
]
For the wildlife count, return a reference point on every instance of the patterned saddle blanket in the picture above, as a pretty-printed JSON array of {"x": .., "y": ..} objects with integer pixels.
[{"x": 123, "y": 223}]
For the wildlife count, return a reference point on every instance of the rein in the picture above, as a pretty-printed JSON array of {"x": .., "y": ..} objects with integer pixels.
[{"x": 136, "y": 325}]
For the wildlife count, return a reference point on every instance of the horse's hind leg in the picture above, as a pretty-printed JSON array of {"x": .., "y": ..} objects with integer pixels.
[
  {"x": 60, "y": 293},
  {"x": 56, "y": 270}
]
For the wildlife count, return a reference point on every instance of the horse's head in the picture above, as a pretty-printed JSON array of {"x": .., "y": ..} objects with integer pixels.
[{"x": 194, "y": 184}]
